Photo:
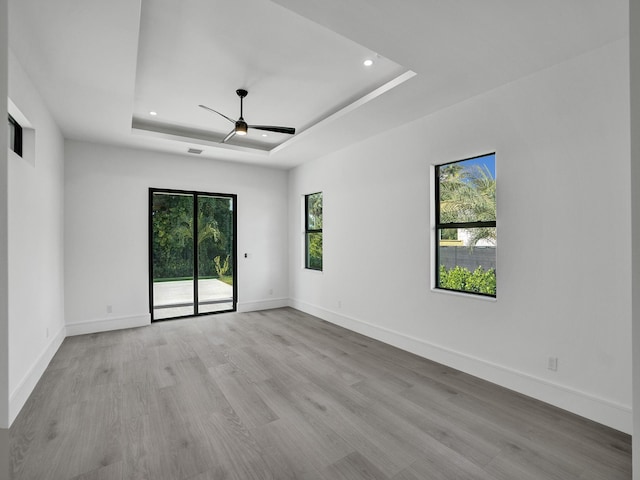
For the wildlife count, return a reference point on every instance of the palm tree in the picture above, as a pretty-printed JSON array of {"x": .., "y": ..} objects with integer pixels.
[
  {"x": 207, "y": 228},
  {"x": 468, "y": 195}
]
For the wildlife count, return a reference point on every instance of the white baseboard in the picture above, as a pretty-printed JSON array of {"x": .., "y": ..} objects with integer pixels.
[
  {"x": 107, "y": 324},
  {"x": 598, "y": 409},
  {"x": 21, "y": 394},
  {"x": 262, "y": 304}
]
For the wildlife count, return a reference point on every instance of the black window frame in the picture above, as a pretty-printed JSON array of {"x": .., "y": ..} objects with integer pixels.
[
  {"x": 308, "y": 231},
  {"x": 17, "y": 136},
  {"x": 439, "y": 226}
]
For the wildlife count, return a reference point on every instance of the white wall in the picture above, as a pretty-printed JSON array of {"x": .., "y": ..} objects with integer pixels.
[
  {"x": 4, "y": 285},
  {"x": 35, "y": 242},
  {"x": 561, "y": 139},
  {"x": 106, "y": 229},
  {"x": 634, "y": 29}
]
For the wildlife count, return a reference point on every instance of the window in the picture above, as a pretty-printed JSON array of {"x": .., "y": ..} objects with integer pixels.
[
  {"x": 313, "y": 231},
  {"x": 465, "y": 213},
  {"x": 15, "y": 136}
]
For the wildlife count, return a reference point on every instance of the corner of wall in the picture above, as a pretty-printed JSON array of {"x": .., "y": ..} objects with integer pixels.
[
  {"x": 4, "y": 278},
  {"x": 24, "y": 388},
  {"x": 634, "y": 60},
  {"x": 108, "y": 324},
  {"x": 262, "y": 304}
]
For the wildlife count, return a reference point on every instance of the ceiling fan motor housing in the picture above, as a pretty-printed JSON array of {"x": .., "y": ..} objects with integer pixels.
[{"x": 241, "y": 127}]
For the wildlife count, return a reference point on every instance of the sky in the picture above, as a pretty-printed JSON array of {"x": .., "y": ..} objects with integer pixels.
[{"x": 488, "y": 160}]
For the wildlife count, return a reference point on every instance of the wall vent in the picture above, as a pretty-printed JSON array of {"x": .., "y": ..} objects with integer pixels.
[{"x": 195, "y": 151}]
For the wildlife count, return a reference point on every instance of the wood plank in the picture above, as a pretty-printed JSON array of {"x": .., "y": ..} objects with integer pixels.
[
  {"x": 353, "y": 466},
  {"x": 282, "y": 395},
  {"x": 245, "y": 399}
]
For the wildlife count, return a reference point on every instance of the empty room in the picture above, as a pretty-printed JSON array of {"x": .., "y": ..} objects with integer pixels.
[{"x": 287, "y": 239}]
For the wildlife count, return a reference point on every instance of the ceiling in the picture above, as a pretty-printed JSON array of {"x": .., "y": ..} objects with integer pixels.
[{"x": 102, "y": 67}]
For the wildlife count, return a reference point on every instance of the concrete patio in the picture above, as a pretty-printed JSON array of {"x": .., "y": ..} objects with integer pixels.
[{"x": 175, "y": 299}]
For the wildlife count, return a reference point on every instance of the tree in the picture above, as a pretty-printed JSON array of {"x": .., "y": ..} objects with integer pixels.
[
  {"x": 314, "y": 230},
  {"x": 468, "y": 194},
  {"x": 173, "y": 234},
  {"x": 208, "y": 228},
  {"x": 172, "y": 252}
]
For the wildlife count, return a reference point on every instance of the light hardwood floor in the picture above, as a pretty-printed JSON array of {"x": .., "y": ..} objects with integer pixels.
[{"x": 283, "y": 395}]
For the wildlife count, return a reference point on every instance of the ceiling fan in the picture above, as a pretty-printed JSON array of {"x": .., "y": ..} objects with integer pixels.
[{"x": 241, "y": 126}]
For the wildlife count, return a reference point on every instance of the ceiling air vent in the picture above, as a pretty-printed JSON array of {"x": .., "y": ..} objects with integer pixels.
[{"x": 195, "y": 151}]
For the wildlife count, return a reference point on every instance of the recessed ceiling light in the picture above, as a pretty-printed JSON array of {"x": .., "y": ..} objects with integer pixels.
[
  {"x": 368, "y": 62},
  {"x": 265, "y": 135},
  {"x": 153, "y": 113}
]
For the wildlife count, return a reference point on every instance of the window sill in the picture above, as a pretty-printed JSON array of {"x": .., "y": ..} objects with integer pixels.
[
  {"x": 313, "y": 270},
  {"x": 464, "y": 294}
]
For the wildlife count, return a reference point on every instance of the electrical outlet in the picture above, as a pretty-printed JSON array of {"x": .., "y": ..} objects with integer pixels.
[
  {"x": 271, "y": 291},
  {"x": 339, "y": 303},
  {"x": 552, "y": 364},
  {"x": 47, "y": 333},
  {"x": 109, "y": 309}
]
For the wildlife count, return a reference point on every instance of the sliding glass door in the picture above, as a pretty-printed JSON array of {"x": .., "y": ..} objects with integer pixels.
[
  {"x": 215, "y": 253},
  {"x": 192, "y": 253}
]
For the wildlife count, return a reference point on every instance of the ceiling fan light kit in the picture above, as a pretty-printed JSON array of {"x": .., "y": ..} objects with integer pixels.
[{"x": 241, "y": 127}]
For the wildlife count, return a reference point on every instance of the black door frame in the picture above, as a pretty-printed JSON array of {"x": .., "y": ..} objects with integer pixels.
[{"x": 234, "y": 201}]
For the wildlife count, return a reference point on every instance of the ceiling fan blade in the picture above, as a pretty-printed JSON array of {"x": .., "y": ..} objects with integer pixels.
[
  {"x": 270, "y": 128},
  {"x": 215, "y": 111},
  {"x": 229, "y": 136}
]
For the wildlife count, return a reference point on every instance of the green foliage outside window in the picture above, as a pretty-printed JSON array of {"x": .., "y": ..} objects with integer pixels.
[
  {"x": 313, "y": 231},
  {"x": 172, "y": 237},
  {"x": 464, "y": 280},
  {"x": 314, "y": 249},
  {"x": 466, "y": 210},
  {"x": 221, "y": 268},
  {"x": 468, "y": 194}
]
